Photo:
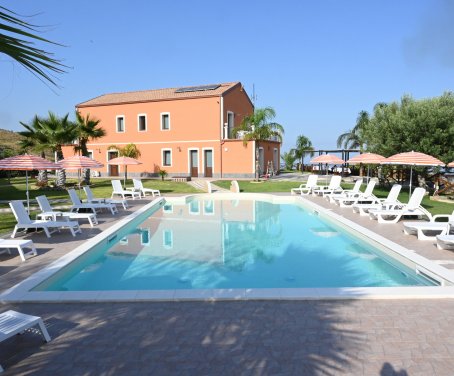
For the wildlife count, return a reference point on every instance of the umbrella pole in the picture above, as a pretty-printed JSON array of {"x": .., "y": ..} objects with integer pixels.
[
  {"x": 411, "y": 177},
  {"x": 26, "y": 193},
  {"x": 126, "y": 173},
  {"x": 367, "y": 179}
]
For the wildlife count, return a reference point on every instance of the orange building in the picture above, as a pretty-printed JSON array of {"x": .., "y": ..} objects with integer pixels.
[{"x": 186, "y": 131}]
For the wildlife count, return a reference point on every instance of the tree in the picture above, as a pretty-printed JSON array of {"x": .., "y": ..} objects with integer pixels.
[
  {"x": 289, "y": 159},
  {"x": 129, "y": 150},
  {"x": 87, "y": 129},
  {"x": 354, "y": 138},
  {"x": 258, "y": 127},
  {"x": 19, "y": 44},
  {"x": 303, "y": 147},
  {"x": 58, "y": 131}
]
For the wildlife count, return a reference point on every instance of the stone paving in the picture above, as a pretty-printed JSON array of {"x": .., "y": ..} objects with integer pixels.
[{"x": 363, "y": 337}]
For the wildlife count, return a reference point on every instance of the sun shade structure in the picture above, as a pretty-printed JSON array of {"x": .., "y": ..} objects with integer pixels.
[
  {"x": 124, "y": 161},
  {"x": 27, "y": 163},
  {"x": 327, "y": 159},
  {"x": 368, "y": 159},
  {"x": 451, "y": 164},
  {"x": 412, "y": 159}
]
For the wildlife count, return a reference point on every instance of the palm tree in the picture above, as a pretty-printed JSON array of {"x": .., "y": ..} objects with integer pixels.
[
  {"x": 19, "y": 45},
  {"x": 257, "y": 127},
  {"x": 58, "y": 132},
  {"x": 129, "y": 150},
  {"x": 87, "y": 129},
  {"x": 303, "y": 147},
  {"x": 354, "y": 139},
  {"x": 289, "y": 159},
  {"x": 35, "y": 139}
]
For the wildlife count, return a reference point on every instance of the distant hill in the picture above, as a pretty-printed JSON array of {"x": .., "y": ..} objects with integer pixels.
[{"x": 9, "y": 142}]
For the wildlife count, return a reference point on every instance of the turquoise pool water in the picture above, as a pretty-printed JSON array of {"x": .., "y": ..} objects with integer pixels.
[{"x": 206, "y": 244}]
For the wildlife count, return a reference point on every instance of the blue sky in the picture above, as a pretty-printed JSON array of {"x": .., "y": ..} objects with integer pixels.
[{"x": 317, "y": 63}]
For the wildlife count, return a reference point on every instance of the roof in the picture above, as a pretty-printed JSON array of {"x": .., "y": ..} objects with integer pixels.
[{"x": 157, "y": 95}]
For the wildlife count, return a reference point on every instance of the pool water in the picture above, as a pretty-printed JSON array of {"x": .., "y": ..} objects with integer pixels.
[{"x": 216, "y": 244}]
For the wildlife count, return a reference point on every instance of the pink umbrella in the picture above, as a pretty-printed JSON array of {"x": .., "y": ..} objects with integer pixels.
[
  {"x": 367, "y": 158},
  {"x": 451, "y": 164},
  {"x": 77, "y": 162},
  {"x": 411, "y": 159},
  {"x": 27, "y": 163},
  {"x": 327, "y": 159},
  {"x": 124, "y": 161}
]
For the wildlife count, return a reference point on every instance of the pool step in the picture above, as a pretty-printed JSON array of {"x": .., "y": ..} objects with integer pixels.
[{"x": 202, "y": 185}]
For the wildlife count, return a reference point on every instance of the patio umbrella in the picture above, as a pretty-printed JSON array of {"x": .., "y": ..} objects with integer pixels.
[
  {"x": 367, "y": 158},
  {"x": 412, "y": 159},
  {"x": 450, "y": 164},
  {"x": 27, "y": 163},
  {"x": 78, "y": 162},
  {"x": 124, "y": 161},
  {"x": 327, "y": 159}
]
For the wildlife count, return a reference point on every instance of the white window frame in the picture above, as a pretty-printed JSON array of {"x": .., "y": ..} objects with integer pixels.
[
  {"x": 229, "y": 135},
  {"x": 167, "y": 208},
  {"x": 189, "y": 159},
  {"x": 191, "y": 212},
  {"x": 205, "y": 212},
  {"x": 161, "y": 116},
  {"x": 212, "y": 158},
  {"x": 147, "y": 231},
  {"x": 162, "y": 157},
  {"x": 164, "y": 244},
  {"x": 124, "y": 123},
  {"x": 138, "y": 122},
  {"x": 89, "y": 151}
]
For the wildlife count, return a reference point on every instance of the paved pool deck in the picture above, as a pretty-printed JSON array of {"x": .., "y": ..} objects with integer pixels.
[{"x": 345, "y": 337}]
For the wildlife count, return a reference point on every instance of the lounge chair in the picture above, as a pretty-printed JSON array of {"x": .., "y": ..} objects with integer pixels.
[
  {"x": 12, "y": 323},
  {"x": 355, "y": 198},
  {"x": 79, "y": 205},
  {"x": 445, "y": 241},
  {"x": 306, "y": 188},
  {"x": 380, "y": 203},
  {"x": 209, "y": 187},
  {"x": 234, "y": 187},
  {"x": 47, "y": 213},
  {"x": 394, "y": 214},
  {"x": 19, "y": 245},
  {"x": 422, "y": 228},
  {"x": 332, "y": 188},
  {"x": 93, "y": 200},
  {"x": 24, "y": 221},
  {"x": 138, "y": 186},
  {"x": 347, "y": 192},
  {"x": 118, "y": 190}
]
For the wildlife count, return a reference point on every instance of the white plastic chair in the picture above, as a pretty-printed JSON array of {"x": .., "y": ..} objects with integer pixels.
[
  {"x": 77, "y": 204},
  {"x": 394, "y": 214},
  {"x": 48, "y": 213},
  {"x": 138, "y": 186},
  {"x": 355, "y": 198},
  {"x": 380, "y": 203},
  {"x": 118, "y": 190},
  {"x": 93, "y": 200},
  {"x": 422, "y": 228},
  {"x": 445, "y": 241},
  {"x": 332, "y": 188},
  {"x": 347, "y": 192},
  {"x": 12, "y": 323},
  {"x": 306, "y": 188},
  {"x": 234, "y": 187},
  {"x": 24, "y": 221},
  {"x": 19, "y": 245}
]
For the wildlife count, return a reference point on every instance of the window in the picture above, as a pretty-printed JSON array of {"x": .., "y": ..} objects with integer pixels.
[
  {"x": 120, "y": 124},
  {"x": 230, "y": 123},
  {"x": 167, "y": 157},
  {"x": 90, "y": 154},
  {"x": 165, "y": 121},
  {"x": 167, "y": 239},
  {"x": 142, "y": 123}
]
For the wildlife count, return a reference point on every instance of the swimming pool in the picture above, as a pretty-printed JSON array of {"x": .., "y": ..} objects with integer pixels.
[{"x": 231, "y": 244}]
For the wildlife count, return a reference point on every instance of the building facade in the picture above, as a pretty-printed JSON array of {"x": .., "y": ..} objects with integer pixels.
[{"x": 185, "y": 131}]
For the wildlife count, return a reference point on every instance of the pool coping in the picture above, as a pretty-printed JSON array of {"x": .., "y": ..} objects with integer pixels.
[{"x": 21, "y": 291}]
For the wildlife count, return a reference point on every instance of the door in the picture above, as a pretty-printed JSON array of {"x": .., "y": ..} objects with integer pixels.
[
  {"x": 208, "y": 163},
  {"x": 261, "y": 161},
  {"x": 194, "y": 158},
  {"x": 113, "y": 169}
]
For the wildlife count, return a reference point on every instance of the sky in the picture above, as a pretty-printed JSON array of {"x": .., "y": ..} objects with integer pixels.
[{"x": 317, "y": 63}]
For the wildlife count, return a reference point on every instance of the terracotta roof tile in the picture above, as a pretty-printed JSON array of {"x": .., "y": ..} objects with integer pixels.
[{"x": 154, "y": 95}]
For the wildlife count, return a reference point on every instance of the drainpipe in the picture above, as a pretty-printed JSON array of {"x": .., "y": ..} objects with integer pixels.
[{"x": 221, "y": 138}]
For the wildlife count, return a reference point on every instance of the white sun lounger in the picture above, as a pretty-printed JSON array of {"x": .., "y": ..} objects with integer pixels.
[
  {"x": 93, "y": 200},
  {"x": 306, "y": 188},
  {"x": 366, "y": 196},
  {"x": 234, "y": 187},
  {"x": 24, "y": 221},
  {"x": 118, "y": 190},
  {"x": 332, "y": 188},
  {"x": 413, "y": 208},
  {"x": 19, "y": 245},
  {"x": 385, "y": 203},
  {"x": 347, "y": 192},
  {"x": 138, "y": 187},
  {"x": 12, "y": 323},
  {"x": 422, "y": 228},
  {"x": 445, "y": 241},
  {"x": 78, "y": 205},
  {"x": 48, "y": 213}
]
